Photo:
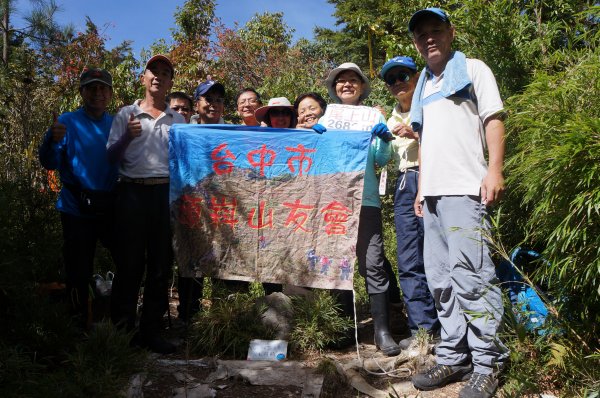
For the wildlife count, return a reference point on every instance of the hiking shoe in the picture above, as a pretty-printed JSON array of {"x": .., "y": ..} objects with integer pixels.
[
  {"x": 406, "y": 342},
  {"x": 479, "y": 386},
  {"x": 439, "y": 375}
]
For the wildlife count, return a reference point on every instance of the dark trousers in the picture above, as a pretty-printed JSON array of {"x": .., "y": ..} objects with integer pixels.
[
  {"x": 143, "y": 245},
  {"x": 190, "y": 294},
  {"x": 369, "y": 250},
  {"x": 411, "y": 271},
  {"x": 393, "y": 290},
  {"x": 80, "y": 235}
]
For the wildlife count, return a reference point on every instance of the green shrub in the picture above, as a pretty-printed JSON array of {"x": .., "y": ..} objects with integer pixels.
[
  {"x": 42, "y": 352},
  {"x": 541, "y": 364},
  {"x": 102, "y": 363},
  {"x": 226, "y": 328},
  {"x": 17, "y": 371},
  {"x": 553, "y": 173},
  {"x": 30, "y": 233},
  {"x": 317, "y": 322}
]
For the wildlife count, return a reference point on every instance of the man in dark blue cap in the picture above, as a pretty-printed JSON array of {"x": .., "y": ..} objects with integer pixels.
[
  {"x": 400, "y": 76},
  {"x": 210, "y": 98},
  {"x": 457, "y": 112}
]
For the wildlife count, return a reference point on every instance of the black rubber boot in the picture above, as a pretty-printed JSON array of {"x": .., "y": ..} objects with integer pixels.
[
  {"x": 345, "y": 301},
  {"x": 382, "y": 334},
  {"x": 190, "y": 294}
]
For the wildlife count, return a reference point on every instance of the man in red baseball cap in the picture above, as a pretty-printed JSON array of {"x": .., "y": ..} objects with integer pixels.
[{"x": 139, "y": 143}]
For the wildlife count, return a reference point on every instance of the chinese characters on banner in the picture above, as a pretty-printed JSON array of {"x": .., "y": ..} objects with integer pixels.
[
  {"x": 350, "y": 117},
  {"x": 272, "y": 205}
]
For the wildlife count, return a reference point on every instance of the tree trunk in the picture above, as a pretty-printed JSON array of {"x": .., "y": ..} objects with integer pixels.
[{"x": 5, "y": 11}]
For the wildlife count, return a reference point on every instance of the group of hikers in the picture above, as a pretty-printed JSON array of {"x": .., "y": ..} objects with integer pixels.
[{"x": 115, "y": 188}]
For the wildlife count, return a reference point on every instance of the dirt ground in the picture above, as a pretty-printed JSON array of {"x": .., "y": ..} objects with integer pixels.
[{"x": 185, "y": 375}]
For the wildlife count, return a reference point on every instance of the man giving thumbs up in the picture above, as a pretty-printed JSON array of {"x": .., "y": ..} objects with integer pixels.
[
  {"x": 75, "y": 145},
  {"x": 139, "y": 143}
]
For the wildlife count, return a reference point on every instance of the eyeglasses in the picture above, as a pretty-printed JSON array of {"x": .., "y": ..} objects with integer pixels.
[
  {"x": 213, "y": 100},
  {"x": 249, "y": 101},
  {"x": 352, "y": 81},
  {"x": 178, "y": 108},
  {"x": 391, "y": 79}
]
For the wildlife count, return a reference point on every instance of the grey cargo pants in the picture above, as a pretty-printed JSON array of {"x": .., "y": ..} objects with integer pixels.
[{"x": 462, "y": 280}]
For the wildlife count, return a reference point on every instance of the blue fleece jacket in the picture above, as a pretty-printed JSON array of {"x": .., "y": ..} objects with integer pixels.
[{"x": 80, "y": 157}]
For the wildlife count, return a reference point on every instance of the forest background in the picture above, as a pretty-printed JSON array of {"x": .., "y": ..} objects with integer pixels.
[{"x": 545, "y": 56}]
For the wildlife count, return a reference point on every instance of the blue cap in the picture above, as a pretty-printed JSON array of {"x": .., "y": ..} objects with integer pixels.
[
  {"x": 431, "y": 11},
  {"x": 207, "y": 85},
  {"x": 406, "y": 62}
]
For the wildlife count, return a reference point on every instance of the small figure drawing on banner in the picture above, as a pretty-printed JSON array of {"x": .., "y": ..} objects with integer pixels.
[
  {"x": 345, "y": 268},
  {"x": 325, "y": 263},
  {"x": 313, "y": 259},
  {"x": 262, "y": 242}
]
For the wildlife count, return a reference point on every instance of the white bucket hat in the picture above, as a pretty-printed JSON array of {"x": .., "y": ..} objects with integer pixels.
[
  {"x": 330, "y": 81},
  {"x": 277, "y": 102}
]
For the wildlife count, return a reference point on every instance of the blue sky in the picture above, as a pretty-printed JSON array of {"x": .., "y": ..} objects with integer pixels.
[{"x": 146, "y": 21}]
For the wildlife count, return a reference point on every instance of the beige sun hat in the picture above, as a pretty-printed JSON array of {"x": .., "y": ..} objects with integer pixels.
[
  {"x": 277, "y": 102},
  {"x": 330, "y": 81}
]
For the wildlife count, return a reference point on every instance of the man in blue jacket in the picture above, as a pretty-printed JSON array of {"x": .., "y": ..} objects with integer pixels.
[{"x": 75, "y": 145}]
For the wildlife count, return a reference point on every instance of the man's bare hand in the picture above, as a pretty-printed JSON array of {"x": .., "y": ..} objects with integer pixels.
[
  {"x": 134, "y": 127},
  {"x": 492, "y": 188},
  {"x": 403, "y": 130},
  {"x": 418, "y": 206}
]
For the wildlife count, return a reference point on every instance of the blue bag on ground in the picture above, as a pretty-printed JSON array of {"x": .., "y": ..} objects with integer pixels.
[{"x": 527, "y": 305}]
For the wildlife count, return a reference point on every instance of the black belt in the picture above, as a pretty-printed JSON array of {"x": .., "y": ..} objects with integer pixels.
[{"x": 145, "y": 181}]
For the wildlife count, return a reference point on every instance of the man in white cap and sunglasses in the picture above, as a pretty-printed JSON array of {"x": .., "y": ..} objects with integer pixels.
[{"x": 457, "y": 112}]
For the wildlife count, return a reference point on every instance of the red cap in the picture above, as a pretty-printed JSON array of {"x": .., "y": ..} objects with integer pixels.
[{"x": 162, "y": 58}]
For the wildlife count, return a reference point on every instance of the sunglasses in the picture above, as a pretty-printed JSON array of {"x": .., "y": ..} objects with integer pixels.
[
  {"x": 402, "y": 76},
  {"x": 181, "y": 108},
  {"x": 213, "y": 100}
]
